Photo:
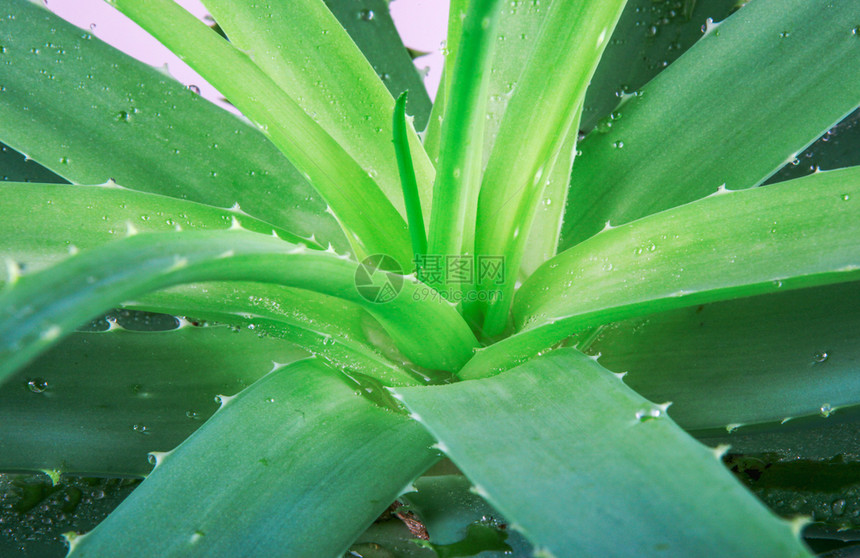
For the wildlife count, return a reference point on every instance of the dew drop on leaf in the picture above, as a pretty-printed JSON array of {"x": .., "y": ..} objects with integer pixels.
[
  {"x": 37, "y": 385},
  {"x": 820, "y": 357},
  {"x": 366, "y": 15}
]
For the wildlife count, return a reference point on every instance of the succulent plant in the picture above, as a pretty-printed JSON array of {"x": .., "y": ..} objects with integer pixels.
[{"x": 442, "y": 319}]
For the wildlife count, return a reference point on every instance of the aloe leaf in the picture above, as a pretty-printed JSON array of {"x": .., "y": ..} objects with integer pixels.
[
  {"x": 629, "y": 172},
  {"x": 539, "y": 115},
  {"x": 803, "y": 362},
  {"x": 726, "y": 246},
  {"x": 64, "y": 219},
  {"x": 67, "y": 106},
  {"x": 371, "y": 222},
  {"x": 406, "y": 167},
  {"x": 648, "y": 38},
  {"x": 634, "y": 465},
  {"x": 99, "y": 402},
  {"x": 458, "y": 177},
  {"x": 308, "y": 463},
  {"x": 370, "y": 25},
  {"x": 339, "y": 331},
  {"x": 61, "y": 219},
  {"x": 542, "y": 242},
  {"x": 39, "y": 309},
  {"x": 321, "y": 67}
]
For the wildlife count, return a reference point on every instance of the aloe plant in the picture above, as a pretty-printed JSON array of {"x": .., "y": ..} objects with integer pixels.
[{"x": 366, "y": 301}]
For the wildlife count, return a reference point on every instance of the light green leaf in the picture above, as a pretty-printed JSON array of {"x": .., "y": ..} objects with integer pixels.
[
  {"x": 369, "y": 24},
  {"x": 303, "y": 48},
  {"x": 371, "y": 222},
  {"x": 539, "y": 117},
  {"x": 717, "y": 105},
  {"x": 804, "y": 360},
  {"x": 47, "y": 222},
  {"x": 296, "y": 465},
  {"x": 458, "y": 180},
  {"x": 726, "y": 246},
  {"x": 615, "y": 459},
  {"x": 98, "y": 403},
  {"x": 41, "y": 308},
  {"x": 68, "y": 107},
  {"x": 339, "y": 331},
  {"x": 63, "y": 219},
  {"x": 542, "y": 242}
]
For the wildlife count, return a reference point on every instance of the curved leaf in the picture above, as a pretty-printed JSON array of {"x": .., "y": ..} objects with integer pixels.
[
  {"x": 726, "y": 246},
  {"x": 371, "y": 222},
  {"x": 91, "y": 113},
  {"x": 296, "y": 464},
  {"x": 381, "y": 44},
  {"x": 716, "y": 103},
  {"x": 40, "y": 308},
  {"x": 536, "y": 122},
  {"x": 45, "y": 222},
  {"x": 615, "y": 458},
  {"x": 649, "y": 37},
  {"x": 804, "y": 360},
  {"x": 98, "y": 403},
  {"x": 320, "y": 67}
]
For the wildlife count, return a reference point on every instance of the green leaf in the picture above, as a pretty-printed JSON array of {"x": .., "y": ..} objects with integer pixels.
[
  {"x": 303, "y": 48},
  {"x": 615, "y": 459},
  {"x": 726, "y": 246},
  {"x": 803, "y": 361},
  {"x": 41, "y": 308},
  {"x": 65, "y": 219},
  {"x": 47, "y": 222},
  {"x": 458, "y": 177},
  {"x": 98, "y": 403},
  {"x": 542, "y": 242},
  {"x": 536, "y": 122},
  {"x": 339, "y": 331},
  {"x": 411, "y": 196},
  {"x": 68, "y": 107},
  {"x": 369, "y": 24},
  {"x": 714, "y": 100},
  {"x": 648, "y": 38},
  {"x": 295, "y": 464},
  {"x": 371, "y": 222}
]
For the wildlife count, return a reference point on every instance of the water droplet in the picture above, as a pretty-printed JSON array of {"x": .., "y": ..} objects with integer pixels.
[
  {"x": 140, "y": 429},
  {"x": 846, "y": 197},
  {"x": 856, "y": 31},
  {"x": 270, "y": 400},
  {"x": 838, "y": 507},
  {"x": 820, "y": 357},
  {"x": 366, "y": 15},
  {"x": 37, "y": 385},
  {"x": 826, "y": 410},
  {"x": 618, "y": 144},
  {"x": 784, "y": 34},
  {"x": 194, "y": 89},
  {"x": 649, "y": 414},
  {"x": 193, "y": 415},
  {"x": 123, "y": 116}
]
